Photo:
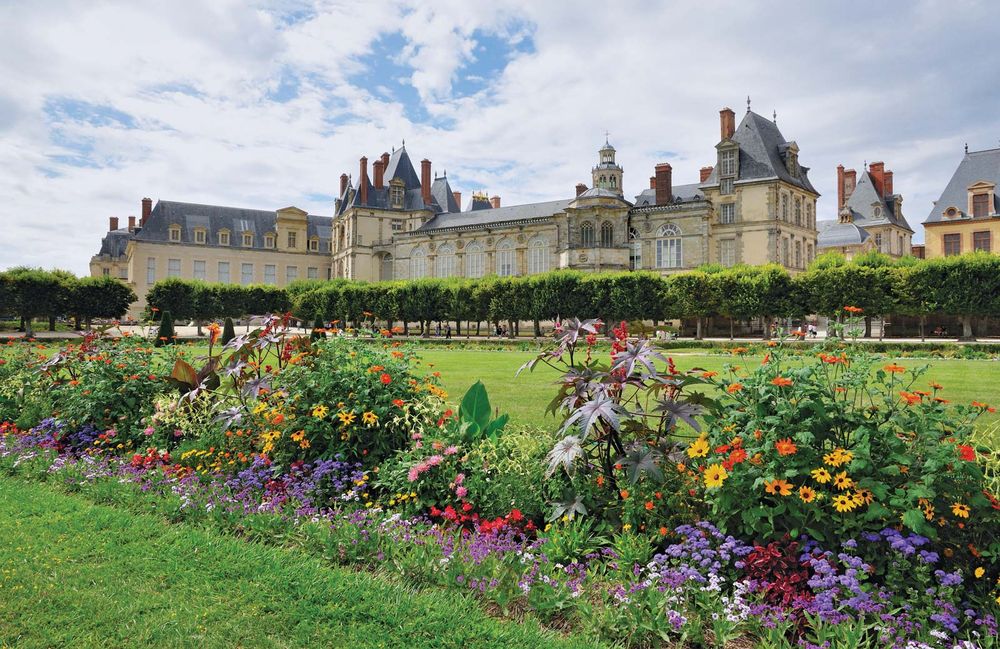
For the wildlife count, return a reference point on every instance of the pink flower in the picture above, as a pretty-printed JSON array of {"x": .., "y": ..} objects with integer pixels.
[
  {"x": 435, "y": 460},
  {"x": 149, "y": 431},
  {"x": 460, "y": 478},
  {"x": 418, "y": 445},
  {"x": 413, "y": 474},
  {"x": 436, "y": 445},
  {"x": 451, "y": 450},
  {"x": 417, "y": 436},
  {"x": 461, "y": 491}
]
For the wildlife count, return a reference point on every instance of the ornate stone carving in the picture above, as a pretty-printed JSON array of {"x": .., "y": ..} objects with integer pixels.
[
  {"x": 520, "y": 238},
  {"x": 583, "y": 259},
  {"x": 431, "y": 246},
  {"x": 648, "y": 227},
  {"x": 459, "y": 244},
  {"x": 489, "y": 241}
]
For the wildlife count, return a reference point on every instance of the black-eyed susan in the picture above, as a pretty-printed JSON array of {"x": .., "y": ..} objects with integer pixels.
[
  {"x": 821, "y": 475},
  {"x": 715, "y": 475},
  {"x": 842, "y": 481},
  {"x": 807, "y": 494}
]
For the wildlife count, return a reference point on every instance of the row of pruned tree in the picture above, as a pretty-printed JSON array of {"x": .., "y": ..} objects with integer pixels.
[{"x": 30, "y": 293}]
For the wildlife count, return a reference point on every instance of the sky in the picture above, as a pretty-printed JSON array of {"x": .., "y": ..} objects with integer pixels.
[{"x": 263, "y": 104}]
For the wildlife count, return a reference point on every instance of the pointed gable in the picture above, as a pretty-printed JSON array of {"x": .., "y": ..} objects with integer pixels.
[
  {"x": 443, "y": 197},
  {"x": 401, "y": 167},
  {"x": 761, "y": 153}
]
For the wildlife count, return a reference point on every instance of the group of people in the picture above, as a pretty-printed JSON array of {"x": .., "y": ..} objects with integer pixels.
[{"x": 447, "y": 330}]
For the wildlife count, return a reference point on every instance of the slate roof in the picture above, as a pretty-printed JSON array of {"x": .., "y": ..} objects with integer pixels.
[
  {"x": 865, "y": 198},
  {"x": 975, "y": 166},
  {"x": 600, "y": 192},
  {"x": 215, "y": 218},
  {"x": 494, "y": 216},
  {"x": 682, "y": 194},
  {"x": 479, "y": 202},
  {"x": 761, "y": 149},
  {"x": 400, "y": 167},
  {"x": 114, "y": 243},
  {"x": 833, "y": 234}
]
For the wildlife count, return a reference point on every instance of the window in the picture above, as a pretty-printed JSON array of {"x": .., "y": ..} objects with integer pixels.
[
  {"x": 123, "y": 273},
  {"x": 396, "y": 225},
  {"x": 587, "y": 235},
  {"x": 396, "y": 196},
  {"x": 727, "y": 162},
  {"x": 444, "y": 265},
  {"x": 475, "y": 260},
  {"x": 784, "y": 252},
  {"x": 798, "y": 211},
  {"x": 981, "y": 241},
  {"x": 223, "y": 238},
  {"x": 175, "y": 233},
  {"x": 878, "y": 241},
  {"x": 151, "y": 271},
  {"x": 291, "y": 274},
  {"x": 668, "y": 247},
  {"x": 106, "y": 272},
  {"x": 726, "y": 186},
  {"x": 248, "y": 239},
  {"x": 418, "y": 264},
  {"x": 784, "y": 207},
  {"x": 952, "y": 244},
  {"x": 173, "y": 268},
  {"x": 980, "y": 205},
  {"x": 312, "y": 272},
  {"x": 246, "y": 274},
  {"x": 224, "y": 272},
  {"x": 329, "y": 246},
  {"x": 199, "y": 269},
  {"x": 902, "y": 249},
  {"x": 538, "y": 256},
  {"x": 809, "y": 252},
  {"x": 269, "y": 241},
  {"x": 505, "y": 259},
  {"x": 270, "y": 274},
  {"x": 607, "y": 234},
  {"x": 809, "y": 216},
  {"x": 293, "y": 240},
  {"x": 798, "y": 254},
  {"x": 727, "y": 252},
  {"x": 386, "y": 268},
  {"x": 314, "y": 245},
  {"x": 199, "y": 236},
  {"x": 634, "y": 250},
  {"x": 727, "y": 213}
]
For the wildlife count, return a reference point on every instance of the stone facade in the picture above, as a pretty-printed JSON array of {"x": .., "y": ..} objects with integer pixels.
[{"x": 966, "y": 217}]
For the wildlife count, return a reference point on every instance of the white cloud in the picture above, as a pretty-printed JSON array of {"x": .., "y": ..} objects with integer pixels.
[{"x": 851, "y": 82}]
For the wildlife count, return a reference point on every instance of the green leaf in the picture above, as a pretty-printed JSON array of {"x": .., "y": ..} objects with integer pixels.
[
  {"x": 184, "y": 374},
  {"x": 914, "y": 519},
  {"x": 475, "y": 406}
]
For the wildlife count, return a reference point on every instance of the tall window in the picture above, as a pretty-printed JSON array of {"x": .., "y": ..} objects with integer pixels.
[
  {"x": 199, "y": 269},
  {"x": 952, "y": 244},
  {"x": 727, "y": 161},
  {"x": 538, "y": 256},
  {"x": 784, "y": 207},
  {"x": 246, "y": 274},
  {"x": 445, "y": 263},
  {"x": 798, "y": 211},
  {"x": 669, "y": 253},
  {"x": 634, "y": 249},
  {"x": 223, "y": 238},
  {"x": 809, "y": 252},
  {"x": 901, "y": 245},
  {"x": 396, "y": 196},
  {"x": 784, "y": 252},
  {"x": 291, "y": 274},
  {"x": 475, "y": 260},
  {"x": 106, "y": 272},
  {"x": 727, "y": 252},
  {"x": 386, "y": 268},
  {"x": 726, "y": 186},
  {"x": 878, "y": 241},
  {"x": 980, "y": 205},
  {"x": 418, "y": 264},
  {"x": 270, "y": 274},
  {"x": 607, "y": 234},
  {"x": 199, "y": 236},
  {"x": 173, "y": 268},
  {"x": 587, "y": 235},
  {"x": 151, "y": 271},
  {"x": 981, "y": 241},
  {"x": 809, "y": 215},
  {"x": 224, "y": 272},
  {"x": 727, "y": 213},
  {"x": 798, "y": 254},
  {"x": 293, "y": 239},
  {"x": 506, "y": 259},
  {"x": 312, "y": 272}
]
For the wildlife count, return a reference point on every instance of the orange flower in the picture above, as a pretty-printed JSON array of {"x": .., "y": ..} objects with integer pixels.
[
  {"x": 910, "y": 398},
  {"x": 386, "y": 379},
  {"x": 781, "y": 382},
  {"x": 967, "y": 453},
  {"x": 663, "y": 531},
  {"x": 649, "y": 505},
  {"x": 708, "y": 375},
  {"x": 624, "y": 494},
  {"x": 734, "y": 388},
  {"x": 894, "y": 369},
  {"x": 936, "y": 386},
  {"x": 600, "y": 481},
  {"x": 778, "y": 487},
  {"x": 853, "y": 309},
  {"x": 739, "y": 350},
  {"x": 785, "y": 446}
]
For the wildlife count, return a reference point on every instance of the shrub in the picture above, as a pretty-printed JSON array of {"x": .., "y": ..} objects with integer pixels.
[
  {"x": 228, "y": 331},
  {"x": 318, "y": 330},
  {"x": 165, "y": 334}
]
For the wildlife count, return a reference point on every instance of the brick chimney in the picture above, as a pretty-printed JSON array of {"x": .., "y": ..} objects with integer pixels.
[
  {"x": 113, "y": 223},
  {"x": 580, "y": 188},
  {"x": 131, "y": 224},
  {"x": 425, "y": 181},
  {"x": 385, "y": 162},
  {"x": 877, "y": 171},
  {"x": 363, "y": 180},
  {"x": 887, "y": 183},
  {"x": 840, "y": 188},
  {"x": 343, "y": 184},
  {"x": 727, "y": 123},
  {"x": 495, "y": 202},
  {"x": 705, "y": 173},
  {"x": 147, "y": 209},
  {"x": 458, "y": 199},
  {"x": 850, "y": 182},
  {"x": 664, "y": 185},
  {"x": 652, "y": 182},
  {"x": 379, "y": 173}
]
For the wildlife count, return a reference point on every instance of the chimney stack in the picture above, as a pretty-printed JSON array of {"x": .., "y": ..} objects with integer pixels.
[
  {"x": 840, "y": 188},
  {"x": 850, "y": 182},
  {"x": 113, "y": 223},
  {"x": 458, "y": 199},
  {"x": 343, "y": 184},
  {"x": 363, "y": 180},
  {"x": 425, "y": 181},
  {"x": 705, "y": 173},
  {"x": 727, "y": 123},
  {"x": 379, "y": 171},
  {"x": 652, "y": 182},
  {"x": 887, "y": 183},
  {"x": 385, "y": 162},
  {"x": 131, "y": 224},
  {"x": 495, "y": 202},
  {"x": 877, "y": 172},
  {"x": 664, "y": 185},
  {"x": 580, "y": 188},
  {"x": 147, "y": 209}
]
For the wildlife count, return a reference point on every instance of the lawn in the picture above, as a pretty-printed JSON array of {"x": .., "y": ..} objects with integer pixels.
[{"x": 76, "y": 574}]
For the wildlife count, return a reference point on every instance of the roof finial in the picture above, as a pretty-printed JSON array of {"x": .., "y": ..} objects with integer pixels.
[
  {"x": 865, "y": 165},
  {"x": 748, "y": 103},
  {"x": 404, "y": 142},
  {"x": 966, "y": 147},
  {"x": 606, "y": 134},
  {"x": 775, "y": 118},
  {"x": 445, "y": 173}
]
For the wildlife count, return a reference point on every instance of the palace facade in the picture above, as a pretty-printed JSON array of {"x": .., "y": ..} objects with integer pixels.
[{"x": 966, "y": 217}]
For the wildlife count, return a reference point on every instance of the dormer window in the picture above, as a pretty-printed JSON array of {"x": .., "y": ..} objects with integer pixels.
[
  {"x": 248, "y": 239},
  {"x": 951, "y": 212},
  {"x": 314, "y": 245},
  {"x": 877, "y": 212},
  {"x": 727, "y": 162},
  {"x": 175, "y": 233},
  {"x": 224, "y": 238},
  {"x": 292, "y": 240},
  {"x": 396, "y": 194},
  {"x": 199, "y": 235},
  {"x": 980, "y": 205},
  {"x": 269, "y": 241}
]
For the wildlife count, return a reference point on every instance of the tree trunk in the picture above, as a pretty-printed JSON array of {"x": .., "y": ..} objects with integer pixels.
[
  {"x": 479, "y": 325},
  {"x": 732, "y": 324},
  {"x": 881, "y": 329},
  {"x": 967, "y": 328},
  {"x": 52, "y": 323},
  {"x": 767, "y": 328},
  {"x": 26, "y": 327},
  {"x": 923, "y": 323},
  {"x": 76, "y": 322},
  {"x": 868, "y": 326},
  {"x": 697, "y": 328},
  {"x": 88, "y": 323},
  {"x": 538, "y": 328},
  {"x": 198, "y": 323},
  {"x": 406, "y": 328}
]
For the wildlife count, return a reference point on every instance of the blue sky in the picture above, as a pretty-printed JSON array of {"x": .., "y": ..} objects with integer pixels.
[{"x": 264, "y": 104}]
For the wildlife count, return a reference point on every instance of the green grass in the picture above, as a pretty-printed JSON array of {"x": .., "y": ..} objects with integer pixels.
[{"x": 76, "y": 574}]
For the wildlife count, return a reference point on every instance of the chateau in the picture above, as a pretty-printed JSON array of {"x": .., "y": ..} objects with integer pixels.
[
  {"x": 966, "y": 217},
  {"x": 754, "y": 205}
]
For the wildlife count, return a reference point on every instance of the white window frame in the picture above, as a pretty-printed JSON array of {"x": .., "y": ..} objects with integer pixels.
[
  {"x": 727, "y": 213},
  {"x": 199, "y": 274},
  {"x": 418, "y": 263},
  {"x": 246, "y": 273},
  {"x": 224, "y": 273},
  {"x": 173, "y": 268},
  {"x": 538, "y": 256},
  {"x": 150, "y": 270},
  {"x": 270, "y": 274},
  {"x": 727, "y": 252},
  {"x": 669, "y": 247},
  {"x": 312, "y": 272},
  {"x": 444, "y": 264},
  {"x": 506, "y": 259},
  {"x": 475, "y": 261}
]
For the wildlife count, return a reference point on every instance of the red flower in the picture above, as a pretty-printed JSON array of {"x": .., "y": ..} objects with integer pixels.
[
  {"x": 386, "y": 379},
  {"x": 516, "y": 515},
  {"x": 398, "y": 403},
  {"x": 967, "y": 453}
]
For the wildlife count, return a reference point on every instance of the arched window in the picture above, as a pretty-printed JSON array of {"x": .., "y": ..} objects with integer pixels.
[
  {"x": 634, "y": 249},
  {"x": 587, "y": 234},
  {"x": 607, "y": 234},
  {"x": 669, "y": 253},
  {"x": 614, "y": 182},
  {"x": 538, "y": 256},
  {"x": 475, "y": 260},
  {"x": 418, "y": 263},
  {"x": 385, "y": 268},
  {"x": 445, "y": 263},
  {"x": 505, "y": 259}
]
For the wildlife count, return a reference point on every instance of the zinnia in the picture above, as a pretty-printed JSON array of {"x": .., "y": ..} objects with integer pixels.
[
  {"x": 778, "y": 487},
  {"x": 786, "y": 446},
  {"x": 967, "y": 453},
  {"x": 386, "y": 379},
  {"x": 781, "y": 382}
]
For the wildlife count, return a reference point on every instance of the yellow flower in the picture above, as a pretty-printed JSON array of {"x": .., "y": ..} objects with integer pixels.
[
  {"x": 699, "y": 447},
  {"x": 821, "y": 475},
  {"x": 320, "y": 411},
  {"x": 259, "y": 408},
  {"x": 960, "y": 510},
  {"x": 843, "y": 503},
  {"x": 842, "y": 481},
  {"x": 806, "y": 494},
  {"x": 980, "y": 571},
  {"x": 346, "y": 418},
  {"x": 715, "y": 475},
  {"x": 838, "y": 457},
  {"x": 369, "y": 418},
  {"x": 626, "y": 527}
]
